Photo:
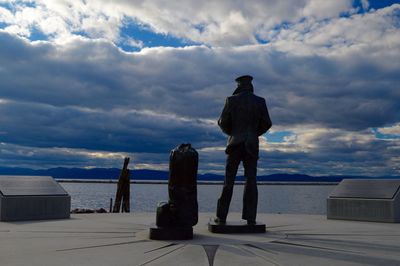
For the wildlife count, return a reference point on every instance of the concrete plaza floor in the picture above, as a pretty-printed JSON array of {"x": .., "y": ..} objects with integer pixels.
[{"x": 122, "y": 239}]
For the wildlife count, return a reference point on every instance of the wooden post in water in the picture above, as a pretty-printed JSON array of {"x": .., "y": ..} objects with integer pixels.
[
  {"x": 126, "y": 194},
  {"x": 123, "y": 189}
]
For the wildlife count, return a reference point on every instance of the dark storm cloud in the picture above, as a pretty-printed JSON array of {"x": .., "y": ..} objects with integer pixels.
[
  {"x": 32, "y": 124},
  {"x": 331, "y": 92},
  {"x": 333, "y": 152},
  {"x": 12, "y": 155}
]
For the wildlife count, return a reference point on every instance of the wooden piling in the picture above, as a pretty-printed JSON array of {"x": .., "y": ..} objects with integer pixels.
[{"x": 123, "y": 189}]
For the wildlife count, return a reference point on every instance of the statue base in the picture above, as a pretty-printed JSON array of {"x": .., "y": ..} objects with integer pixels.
[
  {"x": 236, "y": 228},
  {"x": 171, "y": 233}
]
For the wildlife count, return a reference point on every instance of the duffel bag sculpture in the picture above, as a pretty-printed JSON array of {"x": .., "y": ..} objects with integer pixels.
[{"x": 176, "y": 217}]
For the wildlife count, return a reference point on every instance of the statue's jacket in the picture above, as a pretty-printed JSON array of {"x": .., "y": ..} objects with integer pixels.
[{"x": 244, "y": 118}]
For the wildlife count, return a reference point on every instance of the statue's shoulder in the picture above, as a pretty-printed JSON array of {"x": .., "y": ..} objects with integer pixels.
[
  {"x": 259, "y": 99},
  {"x": 232, "y": 98}
]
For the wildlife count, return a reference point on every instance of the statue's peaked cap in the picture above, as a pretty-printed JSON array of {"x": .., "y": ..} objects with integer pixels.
[{"x": 244, "y": 79}]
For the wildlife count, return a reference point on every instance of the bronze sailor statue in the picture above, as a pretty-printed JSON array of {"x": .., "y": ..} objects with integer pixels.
[{"x": 244, "y": 118}]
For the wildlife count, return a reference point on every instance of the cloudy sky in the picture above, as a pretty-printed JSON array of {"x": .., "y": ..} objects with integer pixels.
[{"x": 84, "y": 83}]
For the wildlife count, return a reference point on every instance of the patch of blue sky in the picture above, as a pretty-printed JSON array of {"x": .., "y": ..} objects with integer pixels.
[
  {"x": 27, "y": 3},
  {"x": 260, "y": 39},
  {"x": 37, "y": 35},
  {"x": 383, "y": 136},
  {"x": 376, "y": 4},
  {"x": 146, "y": 37},
  {"x": 372, "y": 4},
  {"x": 285, "y": 25},
  {"x": 12, "y": 6},
  {"x": 278, "y": 136},
  {"x": 360, "y": 6},
  {"x": 8, "y": 6}
]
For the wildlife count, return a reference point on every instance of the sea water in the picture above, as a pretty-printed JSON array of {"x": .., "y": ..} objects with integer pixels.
[{"x": 296, "y": 199}]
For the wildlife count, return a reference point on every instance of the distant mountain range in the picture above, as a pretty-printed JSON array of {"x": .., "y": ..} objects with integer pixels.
[{"x": 113, "y": 173}]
